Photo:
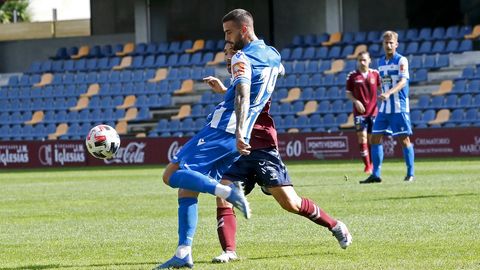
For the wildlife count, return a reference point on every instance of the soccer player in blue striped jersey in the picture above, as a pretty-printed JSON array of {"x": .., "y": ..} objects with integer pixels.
[
  {"x": 201, "y": 162},
  {"x": 394, "y": 113}
]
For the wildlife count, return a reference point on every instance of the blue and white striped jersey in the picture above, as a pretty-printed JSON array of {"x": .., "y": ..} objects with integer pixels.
[
  {"x": 258, "y": 65},
  {"x": 391, "y": 71}
]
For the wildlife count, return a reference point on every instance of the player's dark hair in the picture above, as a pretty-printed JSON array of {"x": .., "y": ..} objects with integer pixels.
[{"x": 239, "y": 16}]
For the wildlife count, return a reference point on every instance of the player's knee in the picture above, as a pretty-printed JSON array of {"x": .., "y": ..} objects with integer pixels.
[
  {"x": 290, "y": 206},
  {"x": 169, "y": 170}
]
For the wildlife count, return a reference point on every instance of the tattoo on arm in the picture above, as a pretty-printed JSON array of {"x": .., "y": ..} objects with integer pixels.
[{"x": 242, "y": 103}]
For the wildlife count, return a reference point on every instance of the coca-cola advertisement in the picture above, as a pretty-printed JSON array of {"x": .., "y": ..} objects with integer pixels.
[{"x": 292, "y": 146}]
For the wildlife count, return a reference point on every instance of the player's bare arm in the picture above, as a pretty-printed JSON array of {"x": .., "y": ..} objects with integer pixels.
[
  {"x": 242, "y": 101},
  {"x": 358, "y": 105},
  {"x": 216, "y": 85},
  {"x": 393, "y": 90}
]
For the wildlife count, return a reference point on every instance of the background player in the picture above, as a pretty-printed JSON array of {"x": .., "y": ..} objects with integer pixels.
[
  {"x": 362, "y": 85},
  {"x": 264, "y": 166},
  {"x": 394, "y": 112},
  {"x": 204, "y": 158}
]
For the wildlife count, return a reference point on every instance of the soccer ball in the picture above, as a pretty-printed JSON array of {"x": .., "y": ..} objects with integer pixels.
[{"x": 102, "y": 142}]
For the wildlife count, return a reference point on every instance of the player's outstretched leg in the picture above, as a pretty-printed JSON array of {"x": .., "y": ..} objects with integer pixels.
[
  {"x": 195, "y": 181},
  {"x": 226, "y": 230}
]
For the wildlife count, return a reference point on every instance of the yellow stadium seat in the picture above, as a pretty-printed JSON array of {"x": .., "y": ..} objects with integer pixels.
[
  {"x": 121, "y": 127},
  {"x": 444, "y": 88},
  {"x": 93, "y": 90},
  {"x": 197, "y": 46},
  {"x": 61, "y": 130},
  {"x": 349, "y": 123},
  {"x": 37, "y": 117},
  {"x": 184, "y": 111},
  {"x": 128, "y": 102},
  {"x": 131, "y": 114},
  {"x": 310, "y": 107},
  {"x": 442, "y": 116},
  {"x": 337, "y": 66},
  {"x": 334, "y": 39},
  {"x": 82, "y": 52},
  {"x": 219, "y": 58},
  {"x": 126, "y": 62},
  {"x": 127, "y": 48},
  {"x": 293, "y": 94},
  {"x": 82, "y": 103},
  {"x": 161, "y": 74},
  {"x": 475, "y": 33},
  {"x": 46, "y": 79},
  {"x": 360, "y": 48},
  {"x": 186, "y": 88}
]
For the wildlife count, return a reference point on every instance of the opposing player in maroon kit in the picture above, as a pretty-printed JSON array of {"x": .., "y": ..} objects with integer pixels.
[
  {"x": 362, "y": 85},
  {"x": 264, "y": 167}
]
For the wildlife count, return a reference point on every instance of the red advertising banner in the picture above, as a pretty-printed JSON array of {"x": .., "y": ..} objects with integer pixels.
[{"x": 437, "y": 142}]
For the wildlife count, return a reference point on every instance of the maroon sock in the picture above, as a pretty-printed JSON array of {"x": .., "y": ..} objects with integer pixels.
[
  {"x": 311, "y": 211},
  {"x": 364, "y": 152},
  {"x": 226, "y": 227}
]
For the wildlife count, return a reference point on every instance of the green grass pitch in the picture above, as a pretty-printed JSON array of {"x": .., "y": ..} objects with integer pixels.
[{"x": 126, "y": 218}]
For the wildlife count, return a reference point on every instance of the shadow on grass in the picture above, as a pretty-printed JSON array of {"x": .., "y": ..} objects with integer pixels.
[
  {"x": 56, "y": 266},
  {"x": 427, "y": 196}
]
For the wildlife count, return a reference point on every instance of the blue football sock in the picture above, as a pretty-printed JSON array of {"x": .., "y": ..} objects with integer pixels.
[
  {"x": 193, "y": 180},
  {"x": 377, "y": 159},
  {"x": 187, "y": 220},
  {"x": 409, "y": 156}
]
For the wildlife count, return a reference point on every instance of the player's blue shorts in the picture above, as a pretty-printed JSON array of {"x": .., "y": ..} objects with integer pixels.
[
  {"x": 210, "y": 152},
  {"x": 394, "y": 124},
  {"x": 363, "y": 123},
  {"x": 263, "y": 167}
]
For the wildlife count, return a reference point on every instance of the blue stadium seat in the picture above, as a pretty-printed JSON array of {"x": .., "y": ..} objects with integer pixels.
[
  {"x": 207, "y": 57},
  {"x": 436, "y": 102},
  {"x": 310, "y": 40},
  {"x": 312, "y": 66},
  {"x": 95, "y": 52},
  {"x": 465, "y": 101},
  {"x": 347, "y": 50},
  {"x": 468, "y": 73},
  {"x": 374, "y": 37},
  {"x": 401, "y": 49},
  {"x": 210, "y": 45},
  {"x": 429, "y": 62},
  {"x": 307, "y": 94},
  {"x": 438, "y": 46},
  {"x": 309, "y": 53},
  {"x": 451, "y": 101},
  {"x": 411, "y": 35},
  {"x": 457, "y": 116},
  {"x": 452, "y": 32},
  {"x": 459, "y": 86},
  {"x": 347, "y": 38},
  {"x": 61, "y": 54},
  {"x": 473, "y": 86},
  {"x": 427, "y": 116},
  {"x": 161, "y": 61},
  {"x": 420, "y": 75},
  {"x": 325, "y": 65},
  {"x": 303, "y": 80},
  {"x": 184, "y": 60},
  {"x": 172, "y": 60},
  {"x": 412, "y": 48},
  {"x": 452, "y": 46},
  {"x": 140, "y": 49},
  {"x": 296, "y": 54},
  {"x": 196, "y": 59},
  {"x": 285, "y": 54},
  {"x": 415, "y": 62},
  {"x": 425, "y": 34},
  {"x": 151, "y": 49},
  {"x": 443, "y": 60},
  {"x": 465, "y": 46},
  {"x": 360, "y": 38},
  {"x": 321, "y": 52},
  {"x": 334, "y": 52},
  {"x": 299, "y": 67},
  {"x": 324, "y": 107},
  {"x": 425, "y": 48}
]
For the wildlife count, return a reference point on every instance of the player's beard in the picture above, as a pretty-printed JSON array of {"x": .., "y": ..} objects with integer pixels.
[{"x": 239, "y": 43}]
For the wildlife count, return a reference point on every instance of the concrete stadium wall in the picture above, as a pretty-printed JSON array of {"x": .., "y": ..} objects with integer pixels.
[{"x": 16, "y": 56}]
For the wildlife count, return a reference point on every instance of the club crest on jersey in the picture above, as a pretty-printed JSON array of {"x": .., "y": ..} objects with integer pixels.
[
  {"x": 238, "y": 69},
  {"x": 372, "y": 80},
  {"x": 402, "y": 68}
]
